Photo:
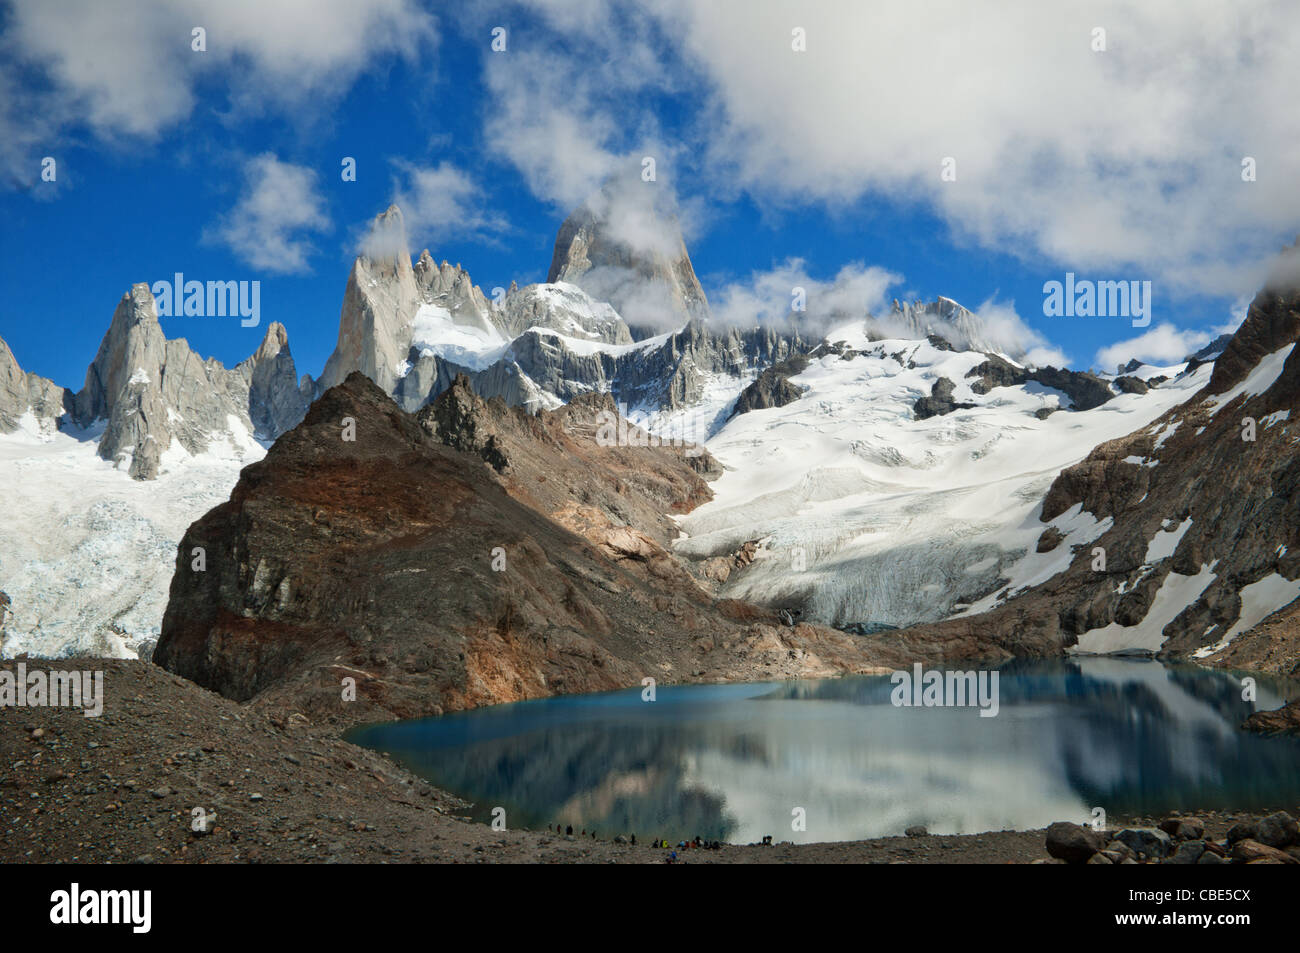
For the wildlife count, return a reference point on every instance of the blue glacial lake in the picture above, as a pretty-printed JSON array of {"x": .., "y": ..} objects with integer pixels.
[{"x": 732, "y": 762}]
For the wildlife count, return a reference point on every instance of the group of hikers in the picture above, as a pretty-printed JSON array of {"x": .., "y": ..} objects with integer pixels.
[
  {"x": 699, "y": 843},
  {"x": 568, "y": 832}
]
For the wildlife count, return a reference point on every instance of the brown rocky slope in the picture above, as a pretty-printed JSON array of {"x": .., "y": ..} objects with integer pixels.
[{"x": 467, "y": 555}]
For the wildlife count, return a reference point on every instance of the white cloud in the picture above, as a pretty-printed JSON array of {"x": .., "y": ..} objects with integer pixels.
[
  {"x": 573, "y": 107},
  {"x": 644, "y": 216},
  {"x": 855, "y": 292},
  {"x": 120, "y": 68},
  {"x": 440, "y": 201},
  {"x": 1163, "y": 344},
  {"x": 646, "y": 221},
  {"x": 1007, "y": 332},
  {"x": 1128, "y": 158},
  {"x": 25, "y": 131},
  {"x": 1238, "y": 312},
  {"x": 268, "y": 225},
  {"x": 767, "y": 297},
  {"x": 127, "y": 70},
  {"x": 1169, "y": 344},
  {"x": 556, "y": 143}
]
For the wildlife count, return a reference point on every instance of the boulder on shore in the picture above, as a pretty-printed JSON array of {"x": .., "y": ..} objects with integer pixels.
[{"x": 1073, "y": 843}]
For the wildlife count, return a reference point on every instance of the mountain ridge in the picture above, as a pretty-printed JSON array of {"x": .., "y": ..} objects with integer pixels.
[
  {"x": 420, "y": 329},
  {"x": 1197, "y": 536},
  {"x": 547, "y": 578}
]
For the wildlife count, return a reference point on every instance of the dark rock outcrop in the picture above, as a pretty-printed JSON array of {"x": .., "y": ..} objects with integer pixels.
[
  {"x": 1085, "y": 390},
  {"x": 1178, "y": 840},
  {"x": 1073, "y": 843},
  {"x": 1211, "y": 351},
  {"x": 939, "y": 401},
  {"x": 1132, "y": 385},
  {"x": 839, "y": 348},
  {"x": 457, "y": 420},
  {"x": 1279, "y": 721},
  {"x": 772, "y": 387},
  {"x": 5, "y": 613}
]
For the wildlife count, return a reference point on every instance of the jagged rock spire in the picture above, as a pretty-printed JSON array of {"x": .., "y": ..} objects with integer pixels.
[
  {"x": 379, "y": 306},
  {"x": 152, "y": 391},
  {"x": 624, "y": 245},
  {"x": 276, "y": 400}
]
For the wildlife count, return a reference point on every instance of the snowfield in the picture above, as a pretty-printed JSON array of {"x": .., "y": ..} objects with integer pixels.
[
  {"x": 868, "y": 515},
  {"x": 435, "y": 331},
  {"x": 575, "y": 313},
  {"x": 87, "y": 553}
]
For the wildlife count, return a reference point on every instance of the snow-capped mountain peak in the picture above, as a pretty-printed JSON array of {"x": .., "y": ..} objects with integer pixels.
[{"x": 944, "y": 317}]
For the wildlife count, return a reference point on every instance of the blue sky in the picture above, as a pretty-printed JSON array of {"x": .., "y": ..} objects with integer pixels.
[{"x": 160, "y": 172}]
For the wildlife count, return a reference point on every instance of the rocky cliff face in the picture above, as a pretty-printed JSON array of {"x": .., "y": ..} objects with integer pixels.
[
  {"x": 772, "y": 387},
  {"x": 276, "y": 399},
  {"x": 379, "y": 306},
  {"x": 622, "y": 312},
  {"x": 412, "y": 330},
  {"x": 621, "y": 247},
  {"x": 467, "y": 555},
  {"x": 28, "y": 393},
  {"x": 939, "y": 401},
  {"x": 150, "y": 391},
  {"x": 1084, "y": 390}
]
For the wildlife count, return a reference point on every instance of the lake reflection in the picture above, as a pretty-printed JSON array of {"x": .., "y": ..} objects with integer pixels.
[{"x": 732, "y": 761}]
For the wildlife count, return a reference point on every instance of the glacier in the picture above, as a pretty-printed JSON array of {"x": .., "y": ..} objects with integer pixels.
[{"x": 865, "y": 514}]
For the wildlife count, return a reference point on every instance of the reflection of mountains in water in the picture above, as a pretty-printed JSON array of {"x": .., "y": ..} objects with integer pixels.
[
  {"x": 1038, "y": 681},
  {"x": 1182, "y": 726},
  {"x": 619, "y": 777},
  {"x": 1146, "y": 733},
  {"x": 1126, "y": 735}
]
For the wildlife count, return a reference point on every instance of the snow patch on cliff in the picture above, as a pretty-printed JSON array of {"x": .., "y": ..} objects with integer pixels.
[{"x": 1176, "y": 593}]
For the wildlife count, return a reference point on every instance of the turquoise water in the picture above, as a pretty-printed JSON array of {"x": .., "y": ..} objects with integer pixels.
[{"x": 736, "y": 762}]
